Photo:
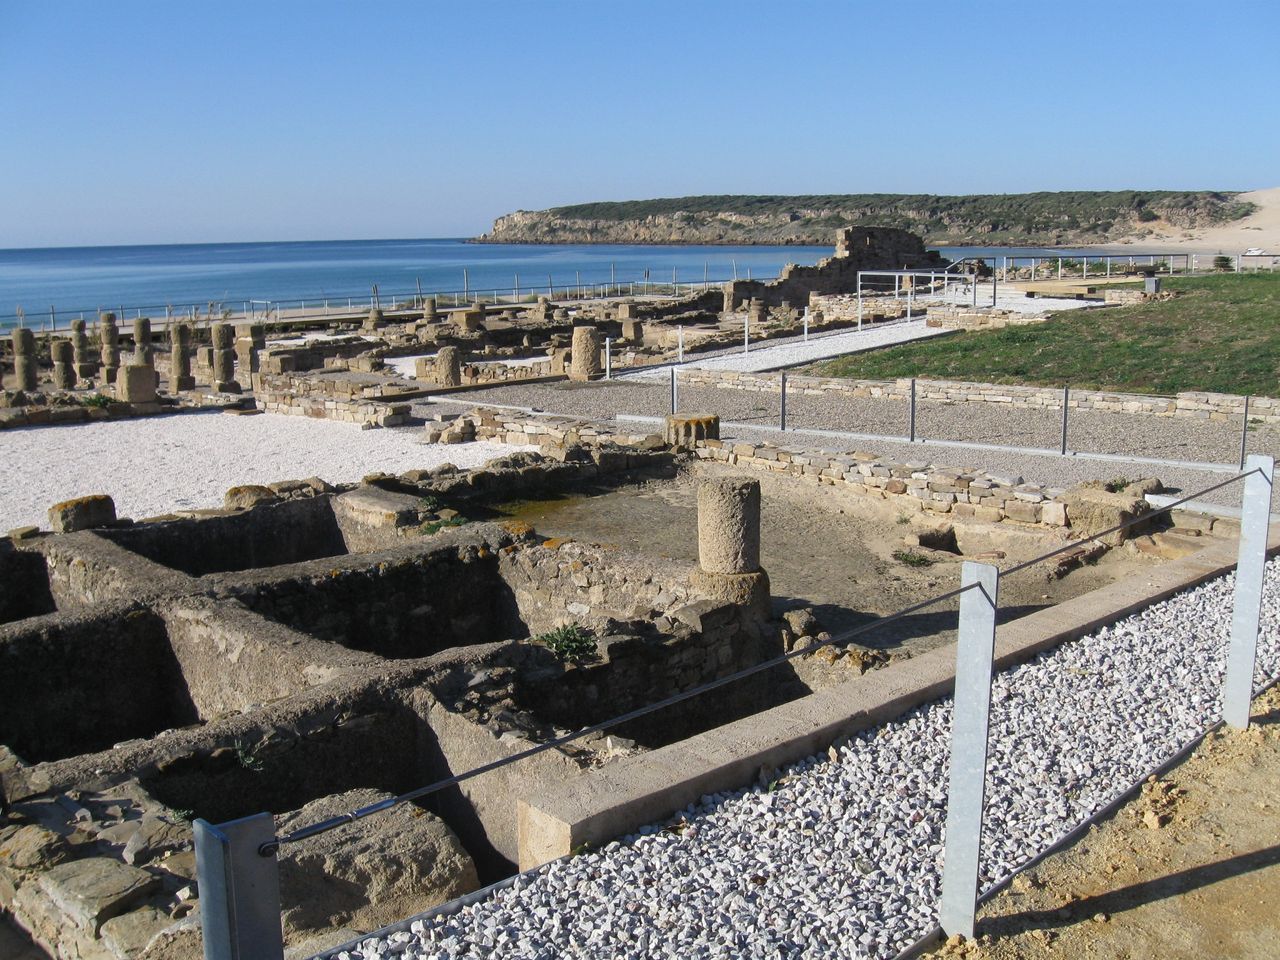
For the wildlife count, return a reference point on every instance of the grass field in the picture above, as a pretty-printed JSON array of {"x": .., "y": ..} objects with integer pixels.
[{"x": 1221, "y": 335}]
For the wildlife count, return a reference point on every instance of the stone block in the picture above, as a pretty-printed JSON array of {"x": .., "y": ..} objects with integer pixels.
[
  {"x": 92, "y": 891},
  {"x": 136, "y": 383},
  {"x": 82, "y": 513}
]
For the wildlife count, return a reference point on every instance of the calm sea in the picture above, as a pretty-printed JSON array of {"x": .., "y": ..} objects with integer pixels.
[{"x": 81, "y": 280}]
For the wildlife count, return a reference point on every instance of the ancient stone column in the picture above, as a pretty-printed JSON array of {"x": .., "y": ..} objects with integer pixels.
[
  {"x": 448, "y": 369},
  {"x": 757, "y": 312},
  {"x": 251, "y": 339},
  {"x": 109, "y": 339},
  {"x": 430, "y": 312},
  {"x": 633, "y": 331},
  {"x": 224, "y": 360},
  {"x": 86, "y": 367},
  {"x": 180, "y": 377},
  {"x": 560, "y": 315},
  {"x": 64, "y": 367},
  {"x": 142, "y": 351},
  {"x": 25, "y": 365},
  {"x": 729, "y": 543},
  {"x": 470, "y": 320},
  {"x": 374, "y": 320},
  {"x": 584, "y": 362}
]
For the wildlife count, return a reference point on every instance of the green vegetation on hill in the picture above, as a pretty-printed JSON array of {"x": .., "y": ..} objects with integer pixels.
[
  {"x": 1221, "y": 335},
  {"x": 1026, "y": 218}
]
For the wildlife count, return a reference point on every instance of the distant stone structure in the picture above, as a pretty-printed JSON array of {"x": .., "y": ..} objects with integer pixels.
[{"x": 857, "y": 248}]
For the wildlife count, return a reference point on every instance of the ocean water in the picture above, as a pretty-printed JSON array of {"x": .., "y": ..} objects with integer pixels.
[{"x": 74, "y": 281}]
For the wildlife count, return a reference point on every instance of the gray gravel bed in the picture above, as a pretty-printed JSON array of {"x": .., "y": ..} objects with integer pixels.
[
  {"x": 841, "y": 855},
  {"x": 1109, "y": 433}
]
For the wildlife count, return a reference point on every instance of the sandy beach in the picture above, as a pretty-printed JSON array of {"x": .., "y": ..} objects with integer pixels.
[{"x": 1261, "y": 230}]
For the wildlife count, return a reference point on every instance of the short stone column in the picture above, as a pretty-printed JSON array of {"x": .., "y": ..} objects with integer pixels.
[
  {"x": 374, "y": 320},
  {"x": 251, "y": 340},
  {"x": 684, "y": 430},
  {"x": 560, "y": 315},
  {"x": 430, "y": 311},
  {"x": 729, "y": 544},
  {"x": 757, "y": 313},
  {"x": 26, "y": 367},
  {"x": 143, "y": 355},
  {"x": 109, "y": 344},
  {"x": 633, "y": 331},
  {"x": 628, "y": 310},
  {"x": 224, "y": 360},
  {"x": 86, "y": 366},
  {"x": 64, "y": 366},
  {"x": 584, "y": 356},
  {"x": 180, "y": 377},
  {"x": 448, "y": 367},
  {"x": 136, "y": 383}
]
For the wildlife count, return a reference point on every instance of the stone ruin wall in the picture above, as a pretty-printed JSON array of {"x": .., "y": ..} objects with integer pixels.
[{"x": 857, "y": 248}]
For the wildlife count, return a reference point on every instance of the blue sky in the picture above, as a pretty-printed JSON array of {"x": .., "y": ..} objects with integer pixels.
[{"x": 132, "y": 122}]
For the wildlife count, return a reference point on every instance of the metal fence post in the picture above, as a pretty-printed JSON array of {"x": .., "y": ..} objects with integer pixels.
[
  {"x": 608, "y": 358},
  {"x": 782, "y": 419},
  {"x": 1255, "y": 519},
  {"x": 1066, "y": 397},
  {"x": 911, "y": 414},
  {"x": 1244, "y": 433},
  {"x": 674, "y": 397},
  {"x": 975, "y": 648},
  {"x": 239, "y": 890}
]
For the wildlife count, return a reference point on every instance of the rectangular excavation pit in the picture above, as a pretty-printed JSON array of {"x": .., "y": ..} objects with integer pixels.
[
  {"x": 269, "y": 535},
  {"x": 75, "y": 684},
  {"x": 398, "y": 607},
  {"x": 24, "y": 584}
]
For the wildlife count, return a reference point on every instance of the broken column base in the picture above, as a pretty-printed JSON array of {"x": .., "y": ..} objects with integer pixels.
[
  {"x": 226, "y": 386},
  {"x": 686, "y": 429},
  {"x": 750, "y": 590},
  {"x": 180, "y": 384}
]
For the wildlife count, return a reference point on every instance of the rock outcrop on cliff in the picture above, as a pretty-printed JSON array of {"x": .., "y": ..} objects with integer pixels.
[{"x": 1031, "y": 218}]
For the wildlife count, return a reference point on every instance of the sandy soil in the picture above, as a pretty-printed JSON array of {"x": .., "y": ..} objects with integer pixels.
[
  {"x": 182, "y": 462},
  {"x": 1189, "y": 869},
  {"x": 1261, "y": 229}
]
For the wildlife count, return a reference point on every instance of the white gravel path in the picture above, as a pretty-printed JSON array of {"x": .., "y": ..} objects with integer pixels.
[
  {"x": 842, "y": 858},
  {"x": 158, "y": 464},
  {"x": 798, "y": 351},
  {"x": 1009, "y": 297}
]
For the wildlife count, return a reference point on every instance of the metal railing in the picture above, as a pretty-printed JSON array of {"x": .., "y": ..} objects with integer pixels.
[
  {"x": 236, "y": 861},
  {"x": 351, "y": 301}
]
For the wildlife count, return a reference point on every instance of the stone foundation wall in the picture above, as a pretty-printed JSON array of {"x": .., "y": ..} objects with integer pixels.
[
  {"x": 1195, "y": 405},
  {"x": 952, "y": 317},
  {"x": 327, "y": 399}
]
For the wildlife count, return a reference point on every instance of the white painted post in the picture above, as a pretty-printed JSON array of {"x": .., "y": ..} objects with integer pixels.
[
  {"x": 975, "y": 650},
  {"x": 1255, "y": 517},
  {"x": 1059, "y": 268},
  {"x": 806, "y": 324},
  {"x": 746, "y": 333},
  {"x": 608, "y": 358}
]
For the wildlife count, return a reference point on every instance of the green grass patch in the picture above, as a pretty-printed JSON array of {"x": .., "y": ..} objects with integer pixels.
[
  {"x": 912, "y": 559},
  {"x": 1221, "y": 335}
]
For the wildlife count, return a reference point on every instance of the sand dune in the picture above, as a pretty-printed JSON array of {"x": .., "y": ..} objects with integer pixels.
[{"x": 1260, "y": 229}]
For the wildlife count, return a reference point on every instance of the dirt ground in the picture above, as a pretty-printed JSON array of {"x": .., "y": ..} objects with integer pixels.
[
  {"x": 1187, "y": 870},
  {"x": 834, "y": 551}
]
